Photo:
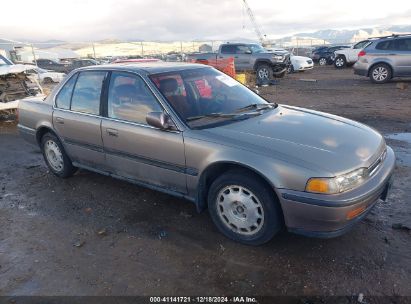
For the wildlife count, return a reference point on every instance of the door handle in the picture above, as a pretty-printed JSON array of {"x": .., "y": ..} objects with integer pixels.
[
  {"x": 60, "y": 120},
  {"x": 112, "y": 132}
]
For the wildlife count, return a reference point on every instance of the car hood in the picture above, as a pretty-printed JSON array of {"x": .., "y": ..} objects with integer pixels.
[
  {"x": 316, "y": 140},
  {"x": 299, "y": 58}
]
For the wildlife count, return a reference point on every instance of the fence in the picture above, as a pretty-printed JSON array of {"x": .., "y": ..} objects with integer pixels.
[{"x": 170, "y": 51}]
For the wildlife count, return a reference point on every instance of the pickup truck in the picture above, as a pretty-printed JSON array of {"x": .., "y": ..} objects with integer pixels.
[
  {"x": 346, "y": 57},
  {"x": 249, "y": 57}
]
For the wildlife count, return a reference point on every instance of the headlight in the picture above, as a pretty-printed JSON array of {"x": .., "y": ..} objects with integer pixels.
[
  {"x": 278, "y": 57},
  {"x": 337, "y": 184}
]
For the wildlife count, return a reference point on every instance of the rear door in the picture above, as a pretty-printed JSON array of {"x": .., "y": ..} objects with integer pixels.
[
  {"x": 242, "y": 57},
  {"x": 77, "y": 120},
  {"x": 135, "y": 150}
]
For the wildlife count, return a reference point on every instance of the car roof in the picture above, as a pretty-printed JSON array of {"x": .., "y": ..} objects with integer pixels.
[{"x": 148, "y": 67}]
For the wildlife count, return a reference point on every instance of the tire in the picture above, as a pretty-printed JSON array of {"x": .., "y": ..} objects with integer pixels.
[
  {"x": 47, "y": 80},
  {"x": 290, "y": 69},
  {"x": 380, "y": 73},
  {"x": 340, "y": 62},
  {"x": 264, "y": 73},
  {"x": 264, "y": 212},
  {"x": 55, "y": 156},
  {"x": 322, "y": 61}
]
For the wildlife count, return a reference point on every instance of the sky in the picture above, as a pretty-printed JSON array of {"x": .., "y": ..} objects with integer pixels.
[{"x": 166, "y": 20}]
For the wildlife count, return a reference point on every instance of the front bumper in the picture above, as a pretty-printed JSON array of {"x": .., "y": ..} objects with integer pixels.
[{"x": 326, "y": 216}]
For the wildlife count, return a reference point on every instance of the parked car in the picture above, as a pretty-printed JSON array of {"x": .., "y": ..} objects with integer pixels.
[
  {"x": 46, "y": 76},
  {"x": 79, "y": 63},
  {"x": 49, "y": 64},
  {"x": 250, "y": 57},
  {"x": 325, "y": 55},
  {"x": 300, "y": 64},
  {"x": 297, "y": 63},
  {"x": 191, "y": 131},
  {"x": 385, "y": 58},
  {"x": 348, "y": 56}
]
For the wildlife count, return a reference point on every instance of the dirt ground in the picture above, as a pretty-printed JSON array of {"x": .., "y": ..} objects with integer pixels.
[{"x": 94, "y": 235}]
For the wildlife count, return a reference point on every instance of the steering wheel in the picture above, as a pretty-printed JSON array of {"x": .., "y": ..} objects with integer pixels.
[{"x": 215, "y": 104}]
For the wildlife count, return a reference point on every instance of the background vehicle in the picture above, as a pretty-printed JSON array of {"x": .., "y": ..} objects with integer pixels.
[
  {"x": 46, "y": 76},
  {"x": 193, "y": 132},
  {"x": 49, "y": 64},
  {"x": 325, "y": 55},
  {"x": 348, "y": 56},
  {"x": 385, "y": 58},
  {"x": 82, "y": 63},
  {"x": 300, "y": 64},
  {"x": 250, "y": 57}
]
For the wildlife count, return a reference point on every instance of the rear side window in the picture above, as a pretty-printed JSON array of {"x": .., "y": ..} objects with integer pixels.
[
  {"x": 361, "y": 45},
  {"x": 228, "y": 49},
  {"x": 385, "y": 45},
  {"x": 403, "y": 45},
  {"x": 64, "y": 96},
  {"x": 87, "y": 92}
]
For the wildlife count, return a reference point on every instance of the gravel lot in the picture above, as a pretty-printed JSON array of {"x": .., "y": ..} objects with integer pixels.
[{"x": 94, "y": 235}]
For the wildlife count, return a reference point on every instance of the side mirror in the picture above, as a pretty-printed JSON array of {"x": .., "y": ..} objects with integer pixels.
[{"x": 160, "y": 120}]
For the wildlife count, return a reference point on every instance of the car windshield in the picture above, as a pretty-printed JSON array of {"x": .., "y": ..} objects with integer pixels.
[
  {"x": 255, "y": 48},
  {"x": 204, "y": 96}
]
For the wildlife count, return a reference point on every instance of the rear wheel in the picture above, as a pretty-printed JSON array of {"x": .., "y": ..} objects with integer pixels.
[
  {"x": 55, "y": 156},
  {"x": 48, "y": 80},
  {"x": 243, "y": 208},
  {"x": 322, "y": 61},
  {"x": 380, "y": 73},
  {"x": 340, "y": 62}
]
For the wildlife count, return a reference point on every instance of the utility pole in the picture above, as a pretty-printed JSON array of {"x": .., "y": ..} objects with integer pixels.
[{"x": 94, "y": 51}]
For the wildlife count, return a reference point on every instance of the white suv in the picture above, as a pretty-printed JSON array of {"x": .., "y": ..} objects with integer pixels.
[{"x": 349, "y": 56}]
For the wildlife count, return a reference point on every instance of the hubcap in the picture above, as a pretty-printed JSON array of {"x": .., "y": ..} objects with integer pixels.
[
  {"x": 240, "y": 210},
  {"x": 339, "y": 62},
  {"x": 54, "y": 155},
  {"x": 322, "y": 61},
  {"x": 263, "y": 73},
  {"x": 380, "y": 74}
]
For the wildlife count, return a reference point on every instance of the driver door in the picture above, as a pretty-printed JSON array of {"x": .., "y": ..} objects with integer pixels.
[{"x": 135, "y": 150}]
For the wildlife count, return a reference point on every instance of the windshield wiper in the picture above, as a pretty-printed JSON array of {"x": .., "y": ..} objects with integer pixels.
[
  {"x": 257, "y": 106},
  {"x": 234, "y": 116},
  {"x": 211, "y": 115}
]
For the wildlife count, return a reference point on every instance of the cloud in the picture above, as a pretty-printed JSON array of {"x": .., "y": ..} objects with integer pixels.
[{"x": 85, "y": 20}]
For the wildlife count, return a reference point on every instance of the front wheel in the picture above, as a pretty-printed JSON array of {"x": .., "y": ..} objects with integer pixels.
[
  {"x": 340, "y": 62},
  {"x": 55, "y": 156},
  {"x": 290, "y": 69},
  {"x": 243, "y": 208},
  {"x": 264, "y": 73}
]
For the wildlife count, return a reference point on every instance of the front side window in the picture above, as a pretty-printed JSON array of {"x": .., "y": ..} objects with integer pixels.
[
  {"x": 87, "y": 92},
  {"x": 64, "y": 96},
  {"x": 130, "y": 99},
  {"x": 204, "y": 91},
  {"x": 242, "y": 49}
]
